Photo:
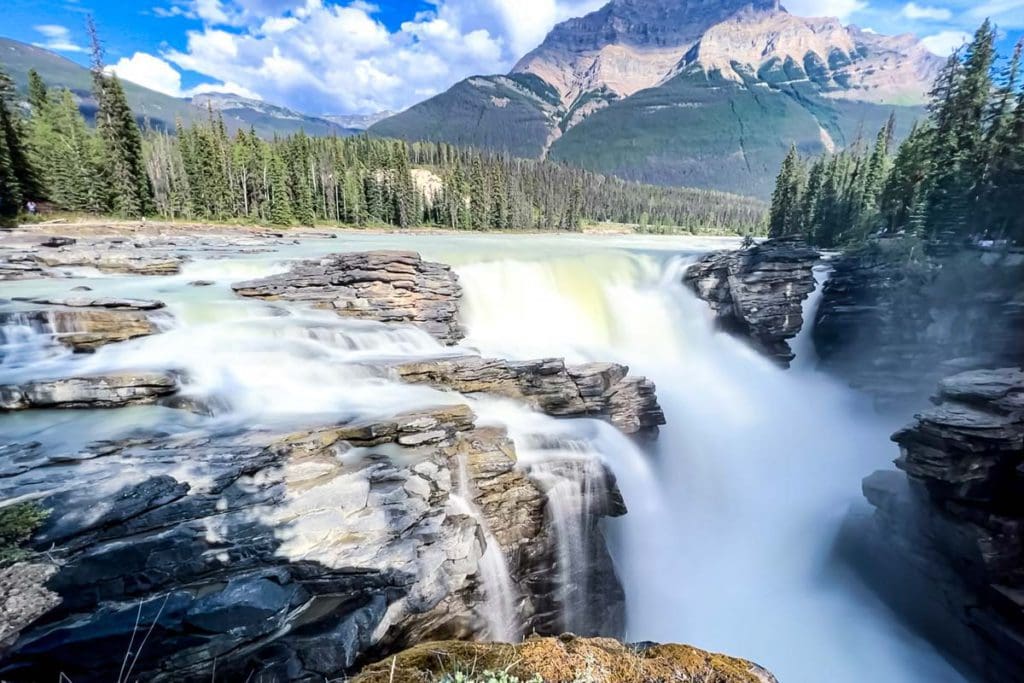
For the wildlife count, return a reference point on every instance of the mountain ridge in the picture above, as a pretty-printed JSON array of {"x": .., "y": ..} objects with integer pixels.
[{"x": 668, "y": 70}]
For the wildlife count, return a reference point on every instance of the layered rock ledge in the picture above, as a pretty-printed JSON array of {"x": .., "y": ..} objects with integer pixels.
[
  {"x": 277, "y": 556},
  {"x": 82, "y": 327},
  {"x": 946, "y": 540},
  {"x": 603, "y": 390},
  {"x": 387, "y": 286},
  {"x": 758, "y": 293},
  {"x": 566, "y": 659},
  {"x": 114, "y": 390}
]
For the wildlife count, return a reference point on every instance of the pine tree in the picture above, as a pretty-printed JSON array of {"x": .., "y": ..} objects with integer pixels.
[
  {"x": 124, "y": 166},
  {"x": 16, "y": 141},
  {"x": 280, "y": 205},
  {"x": 785, "y": 214}
]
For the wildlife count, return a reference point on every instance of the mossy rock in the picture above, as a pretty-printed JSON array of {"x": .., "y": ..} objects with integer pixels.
[
  {"x": 566, "y": 659},
  {"x": 17, "y": 524}
]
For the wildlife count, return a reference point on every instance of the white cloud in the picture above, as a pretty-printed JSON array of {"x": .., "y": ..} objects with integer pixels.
[
  {"x": 945, "y": 42},
  {"x": 158, "y": 74},
  {"x": 914, "y": 11},
  {"x": 58, "y": 38},
  {"x": 148, "y": 71},
  {"x": 825, "y": 8}
]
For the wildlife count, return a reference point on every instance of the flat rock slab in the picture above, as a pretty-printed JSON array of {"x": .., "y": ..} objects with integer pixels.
[
  {"x": 387, "y": 286},
  {"x": 96, "y": 302},
  {"x": 128, "y": 262},
  {"x": 97, "y": 391}
]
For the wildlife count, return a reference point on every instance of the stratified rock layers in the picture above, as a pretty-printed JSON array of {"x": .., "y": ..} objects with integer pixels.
[
  {"x": 387, "y": 286},
  {"x": 946, "y": 541},
  {"x": 758, "y": 293},
  {"x": 289, "y": 555},
  {"x": 601, "y": 390}
]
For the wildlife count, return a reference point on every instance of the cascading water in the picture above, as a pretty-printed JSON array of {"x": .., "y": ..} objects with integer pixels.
[
  {"x": 732, "y": 514},
  {"x": 499, "y": 608},
  {"x": 728, "y": 540}
]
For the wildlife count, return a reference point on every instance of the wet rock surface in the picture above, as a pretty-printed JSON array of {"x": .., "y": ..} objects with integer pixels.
[
  {"x": 952, "y": 527},
  {"x": 893, "y": 322},
  {"x": 279, "y": 556},
  {"x": 83, "y": 329},
  {"x": 387, "y": 286},
  {"x": 97, "y": 391},
  {"x": 758, "y": 293},
  {"x": 603, "y": 390},
  {"x": 564, "y": 660}
]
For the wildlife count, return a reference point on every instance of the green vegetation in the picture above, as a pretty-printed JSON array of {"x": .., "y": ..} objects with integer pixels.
[
  {"x": 958, "y": 175},
  {"x": 17, "y": 524},
  {"x": 201, "y": 172}
]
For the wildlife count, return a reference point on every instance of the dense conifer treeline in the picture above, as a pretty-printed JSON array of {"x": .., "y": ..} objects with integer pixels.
[
  {"x": 959, "y": 174},
  {"x": 203, "y": 172}
]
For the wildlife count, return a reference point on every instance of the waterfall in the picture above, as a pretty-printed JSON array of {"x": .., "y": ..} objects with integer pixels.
[
  {"x": 733, "y": 514},
  {"x": 499, "y": 609}
]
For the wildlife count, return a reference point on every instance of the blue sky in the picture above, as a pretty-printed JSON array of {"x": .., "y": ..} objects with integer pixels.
[{"x": 356, "y": 56}]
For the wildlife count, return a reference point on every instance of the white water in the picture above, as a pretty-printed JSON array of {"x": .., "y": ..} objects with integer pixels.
[{"x": 732, "y": 514}]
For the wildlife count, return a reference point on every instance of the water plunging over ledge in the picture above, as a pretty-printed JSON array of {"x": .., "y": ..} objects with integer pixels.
[{"x": 732, "y": 513}]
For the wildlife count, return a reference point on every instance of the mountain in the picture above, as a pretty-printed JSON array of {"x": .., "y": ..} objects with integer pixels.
[
  {"x": 270, "y": 118},
  {"x": 357, "y": 121},
  {"x": 705, "y": 93},
  {"x": 156, "y": 109},
  {"x": 159, "y": 110}
]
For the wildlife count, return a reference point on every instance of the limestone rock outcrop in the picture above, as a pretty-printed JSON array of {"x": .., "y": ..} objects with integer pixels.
[
  {"x": 893, "y": 321},
  {"x": 758, "y": 293},
  {"x": 96, "y": 391},
  {"x": 603, "y": 390},
  {"x": 387, "y": 286},
  {"x": 946, "y": 540},
  {"x": 281, "y": 556},
  {"x": 564, "y": 660},
  {"x": 83, "y": 328}
]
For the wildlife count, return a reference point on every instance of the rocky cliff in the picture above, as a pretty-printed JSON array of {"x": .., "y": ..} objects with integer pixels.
[
  {"x": 281, "y": 555},
  {"x": 894, "y": 320},
  {"x": 758, "y": 293},
  {"x": 945, "y": 545}
]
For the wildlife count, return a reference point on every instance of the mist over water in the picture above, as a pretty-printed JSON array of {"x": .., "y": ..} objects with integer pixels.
[{"x": 733, "y": 512}]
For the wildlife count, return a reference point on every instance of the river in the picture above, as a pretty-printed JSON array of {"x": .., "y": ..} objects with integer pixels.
[{"x": 733, "y": 512}]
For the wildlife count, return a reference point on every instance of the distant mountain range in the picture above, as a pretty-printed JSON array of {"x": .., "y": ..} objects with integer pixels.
[
  {"x": 161, "y": 111},
  {"x": 704, "y": 93}
]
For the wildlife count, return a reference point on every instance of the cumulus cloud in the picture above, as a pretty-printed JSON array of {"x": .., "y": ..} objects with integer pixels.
[
  {"x": 157, "y": 74},
  {"x": 914, "y": 11},
  {"x": 945, "y": 42},
  {"x": 57, "y": 38},
  {"x": 323, "y": 56},
  {"x": 825, "y": 8}
]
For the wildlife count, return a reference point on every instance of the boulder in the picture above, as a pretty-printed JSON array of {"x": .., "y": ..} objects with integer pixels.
[
  {"x": 952, "y": 528},
  {"x": 24, "y": 597},
  {"x": 96, "y": 391},
  {"x": 565, "y": 659},
  {"x": 87, "y": 329},
  {"x": 603, "y": 390},
  {"x": 280, "y": 556},
  {"x": 387, "y": 286},
  {"x": 758, "y": 293}
]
